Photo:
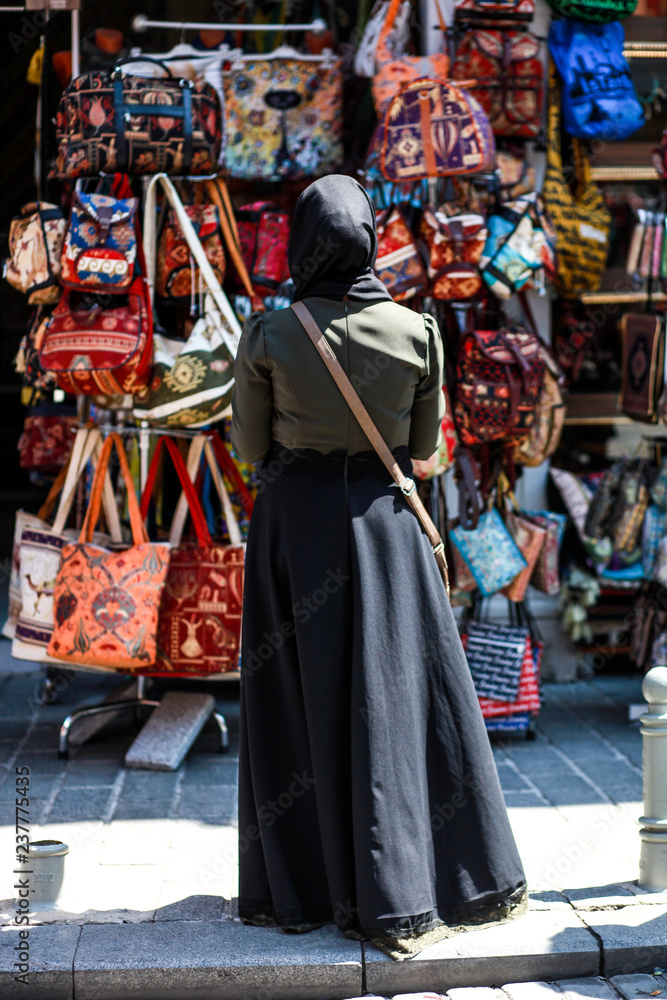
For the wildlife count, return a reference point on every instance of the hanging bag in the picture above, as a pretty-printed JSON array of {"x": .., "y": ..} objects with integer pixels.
[
  {"x": 177, "y": 272},
  {"x": 517, "y": 248},
  {"x": 596, "y": 11},
  {"x": 642, "y": 366},
  {"x": 199, "y": 624},
  {"x": 393, "y": 70},
  {"x": 453, "y": 244},
  {"x": 35, "y": 244},
  {"x": 100, "y": 248},
  {"x": 398, "y": 264},
  {"x": 106, "y": 603},
  {"x": 581, "y": 221},
  {"x": 489, "y": 551}
]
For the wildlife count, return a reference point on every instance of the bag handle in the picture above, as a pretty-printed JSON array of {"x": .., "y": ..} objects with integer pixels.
[
  {"x": 407, "y": 486},
  {"x": 149, "y": 59},
  {"x": 231, "y": 331},
  {"x": 86, "y": 444},
  {"x": 228, "y": 467},
  {"x": 194, "y": 506},
  {"x": 218, "y": 194},
  {"x": 201, "y": 444},
  {"x": 235, "y": 537},
  {"x": 139, "y": 533}
]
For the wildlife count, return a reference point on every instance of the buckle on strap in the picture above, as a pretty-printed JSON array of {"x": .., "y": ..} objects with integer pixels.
[
  {"x": 408, "y": 486},
  {"x": 438, "y": 548}
]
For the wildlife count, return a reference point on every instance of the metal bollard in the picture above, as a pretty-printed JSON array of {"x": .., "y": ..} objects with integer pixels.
[
  {"x": 653, "y": 833},
  {"x": 47, "y": 864}
]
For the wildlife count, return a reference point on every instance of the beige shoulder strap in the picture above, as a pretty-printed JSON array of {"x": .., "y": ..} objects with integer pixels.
[{"x": 407, "y": 486}]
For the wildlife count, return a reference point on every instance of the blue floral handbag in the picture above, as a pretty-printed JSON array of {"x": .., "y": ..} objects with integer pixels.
[
  {"x": 654, "y": 529},
  {"x": 598, "y": 96},
  {"x": 489, "y": 552}
]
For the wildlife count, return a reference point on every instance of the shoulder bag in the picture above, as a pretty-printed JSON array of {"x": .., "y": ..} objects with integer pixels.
[
  {"x": 394, "y": 70},
  {"x": 35, "y": 243},
  {"x": 407, "y": 486}
]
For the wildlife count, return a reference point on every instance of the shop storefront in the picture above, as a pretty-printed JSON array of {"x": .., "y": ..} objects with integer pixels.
[{"x": 515, "y": 159}]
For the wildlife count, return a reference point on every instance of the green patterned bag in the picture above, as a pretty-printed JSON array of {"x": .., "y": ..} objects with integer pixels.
[{"x": 596, "y": 11}]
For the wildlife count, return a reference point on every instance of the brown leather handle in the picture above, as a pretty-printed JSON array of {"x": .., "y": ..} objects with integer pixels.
[{"x": 407, "y": 486}]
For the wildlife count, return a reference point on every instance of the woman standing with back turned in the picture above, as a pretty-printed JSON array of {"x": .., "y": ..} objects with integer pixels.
[{"x": 368, "y": 794}]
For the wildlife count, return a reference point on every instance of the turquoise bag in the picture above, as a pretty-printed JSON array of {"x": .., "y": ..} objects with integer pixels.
[{"x": 489, "y": 552}]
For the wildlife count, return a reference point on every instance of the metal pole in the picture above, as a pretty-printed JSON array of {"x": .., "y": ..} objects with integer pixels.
[
  {"x": 142, "y": 23},
  {"x": 76, "y": 48},
  {"x": 653, "y": 833}
]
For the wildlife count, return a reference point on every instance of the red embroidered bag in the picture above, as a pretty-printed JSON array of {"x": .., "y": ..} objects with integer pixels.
[
  {"x": 500, "y": 374},
  {"x": 508, "y": 75},
  {"x": 46, "y": 442},
  {"x": 454, "y": 245},
  {"x": 177, "y": 273},
  {"x": 499, "y": 13},
  {"x": 199, "y": 626},
  {"x": 398, "y": 264},
  {"x": 94, "y": 349},
  {"x": 434, "y": 129},
  {"x": 100, "y": 248},
  {"x": 263, "y": 231}
]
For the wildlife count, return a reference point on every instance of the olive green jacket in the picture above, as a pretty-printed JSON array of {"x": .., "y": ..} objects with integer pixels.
[{"x": 284, "y": 392}]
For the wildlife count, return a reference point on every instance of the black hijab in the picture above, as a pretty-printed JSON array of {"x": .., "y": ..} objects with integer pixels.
[{"x": 333, "y": 242}]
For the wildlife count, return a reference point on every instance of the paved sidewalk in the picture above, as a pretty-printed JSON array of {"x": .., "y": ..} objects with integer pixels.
[
  {"x": 148, "y": 902},
  {"x": 630, "y": 987}
]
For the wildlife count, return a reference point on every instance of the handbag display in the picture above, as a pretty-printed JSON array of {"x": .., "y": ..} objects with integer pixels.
[
  {"x": 106, "y": 603},
  {"x": 653, "y": 530},
  {"x": 498, "y": 13},
  {"x": 544, "y": 436},
  {"x": 529, "y": 537},
  {"x": 397, "y": 38},
  {"x": 35, "y": 243},
  {"x": 264, "y": 237},
  {"x": 596, "y": 11},
  {"x": 546, "y": 572},
  {"x": 94, "y": 348},
  {"x": 177, "y": 273},
  {"x": 406, "y": 485},
  {"x": 199, "y": 622},
  {"x": 26, "y": 361},
  {"x": 581, "y": 221},
  {"x": 283, "y": 116},
  {"x": 528, "y": 695},
  {"x": 40, "y": 553},
  {"x": 598, "y": 96},
  {"x": 643, "y": 364},
  {"x": 517, "y": 247},
  {"x": 499, "y": 380},
  {"x": 495, "y": 655},
  {"x": 453, "y": 245},
  {"x": 434, "y": 128},
  {"x": 116, "y": 123},
  {"x": 443, "y": 457},
  {"x": 46, "y": 442},
  {"x": 394, "y": 69},
  {"x": 398, "y": 263},
  {"x": 489, "y": 551},
  {"x": 508, "y": 78},
  {"x": 100, "y": 248}
]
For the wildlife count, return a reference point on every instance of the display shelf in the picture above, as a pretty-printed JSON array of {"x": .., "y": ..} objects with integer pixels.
[
  {"x": 625, "y": 175},
  {"x": 594, "y": 409},
  {"x": 604, "y": 297}
]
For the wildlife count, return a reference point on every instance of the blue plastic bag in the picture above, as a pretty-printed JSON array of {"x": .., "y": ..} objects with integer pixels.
[{"x": 598, "y": 96}]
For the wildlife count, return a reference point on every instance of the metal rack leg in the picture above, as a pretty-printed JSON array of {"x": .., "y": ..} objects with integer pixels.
[
  {"x": 111, "y": 706},
  {"x": 224, "y": 733}
]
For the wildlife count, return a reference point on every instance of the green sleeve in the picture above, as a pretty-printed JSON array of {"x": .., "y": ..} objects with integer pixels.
[
  {"x": 428, "y": 407},
  {"x": 252, "y": 403}
]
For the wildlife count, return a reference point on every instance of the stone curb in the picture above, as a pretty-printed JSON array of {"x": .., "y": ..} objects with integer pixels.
[{"x": 225, "y": 960}]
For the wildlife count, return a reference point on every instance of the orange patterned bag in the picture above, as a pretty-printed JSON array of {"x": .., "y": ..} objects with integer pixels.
[
  {"x": 106, "y": 603},
  {"x": 394, "y": 71}
]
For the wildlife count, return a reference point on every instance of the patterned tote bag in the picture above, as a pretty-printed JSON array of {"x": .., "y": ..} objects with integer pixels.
[
  {"x": 489, "y": 552},
  {"x": 106, "y": 603}
]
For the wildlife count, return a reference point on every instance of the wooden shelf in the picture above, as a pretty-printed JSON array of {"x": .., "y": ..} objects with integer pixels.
[
  {"x": 601, "y": 298},
  {"x": 625, "y": 175}
]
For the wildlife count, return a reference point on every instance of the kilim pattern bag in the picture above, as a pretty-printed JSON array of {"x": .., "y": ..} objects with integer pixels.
[
  {"x": 398, "y": 264},
  {"x": 100, "y": 249},
  {"x": 529, "y": 538},
  {"x": 597, "y": 11},
  {"x": 106, "y": 603},
  {"x": 497, "y": 13},
  {"x": 643, "y": 338},
  {"x": 40, "y": 554},
  {"x": 508, "y": 78},
  {"x": 35, "y": 243},
  {"x": 263, "y": 231},
  {"x": 199, "y": 624},
  {"x": 394, "y": 69},
  {"x": 581, "y": 221},
  {"x": 113, "y": 123},
  {"x": 500, "y": 374},
  {"x": 283, "y": 117},
  {"x": 434, "y": 128},
  {"x": 517, "y": 247},
  {"x": 454, "y": 245},
  {"x": 93, "y": 348},
  {"x": 545, "y": 434},
  {"x": 653, "y": 529},
  {"x": 443, "y": 457},
  {"x": 177, "y": 272},
  {"x": 46, "y": 442},
  {"x": 546, "y": 573}
]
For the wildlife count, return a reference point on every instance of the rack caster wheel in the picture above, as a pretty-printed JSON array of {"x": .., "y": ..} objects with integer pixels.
[{"x": 46, "y": 692}]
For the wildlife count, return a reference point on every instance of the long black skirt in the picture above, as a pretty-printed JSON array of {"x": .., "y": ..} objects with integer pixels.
[{"x": 368, "y": 794}]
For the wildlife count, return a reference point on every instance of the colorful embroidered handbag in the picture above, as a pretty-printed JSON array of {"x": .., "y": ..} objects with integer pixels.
[
  {"x": 508, "y": 78},
  {"x": 26, "y": 361},
  {"x": 40, "y": 552},
  {"x": 598, "y": 96},
  {"x": 93, "y": 348},
  {"x": 643, "y": 337},
  {"x": 546, "y": 573},
  {"x": 517, "y": 247},
  {"x": 100, "y": 248},
  {"x": 654, "y": 528},
  {"x": 35, "y": 242},
  {"x": 193, "y": 380},
  {"x": 399, "y": 34},
  {"x": 113, "y": 123},
  {"x": 398, "y": 263},
  {"x": 489, "y": 552},
  {"x": 581, "y": 221},
  {"x": 283, "y": 116},
  {"x": 106, "y": 603},
  {"x": 453, "y": 244},
  {"x": 395, "y": 69},
  {"x": 46, "y": 442},
  {"x": 659, "y": 157},
  {"x": 500, "y": 374},
  {"x": 498, "y": 13},
  {"x": 199, "y": 623},
  {"x": 443, "y": 457},
  {"x": 529, "y": 538},
  {"x": 263, "y": 230},
  {"x": 433, "y": 129},
  {"x": 597, "y": 11},
  {"x": 545, "y": 434},
  {"x": 177, "y": 272}
]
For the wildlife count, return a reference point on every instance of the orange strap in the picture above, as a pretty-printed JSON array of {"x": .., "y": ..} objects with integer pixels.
[
  {"x": 427, "y": 142},
  {"x": 139, "y": 533},
  {"x": 47, "y": 507},
  {"x": 219, "y": 196}
]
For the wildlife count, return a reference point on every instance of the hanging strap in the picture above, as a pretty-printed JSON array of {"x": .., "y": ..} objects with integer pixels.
[
  {"x": 139, "y": 534},
  {"x": 229, "y": 469},
  {"x": 219, "y": 196},
  {"x": 406, "y": 485},
  {"x": 194, "y": 506},
  {"x": 231, "y": 331},
  {"x": 87, "y": 445},
  {"x": 199, "y": 445}
]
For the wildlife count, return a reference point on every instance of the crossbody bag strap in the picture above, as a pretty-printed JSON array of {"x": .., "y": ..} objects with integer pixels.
[{"x": 406, "y": 485}]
